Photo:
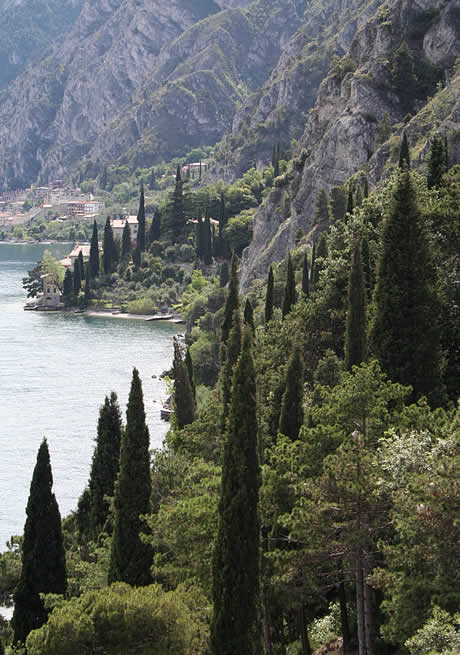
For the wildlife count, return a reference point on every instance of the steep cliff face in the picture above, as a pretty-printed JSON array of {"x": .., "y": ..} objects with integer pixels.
[
  {"x": 161, "y": 75},
  {"x": 340, "y": 135}
]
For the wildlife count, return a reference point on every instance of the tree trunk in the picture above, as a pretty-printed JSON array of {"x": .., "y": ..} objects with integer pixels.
[
  {"x": 306, "y": 649},
  {"x": 368, "y": 613},
  {"x": 267, "y": 638},
  {"x": 343, "y": 611},
  {"x": 360, "y": 603}
]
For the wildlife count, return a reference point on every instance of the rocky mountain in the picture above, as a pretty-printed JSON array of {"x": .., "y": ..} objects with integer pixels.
[
  {"x": 341, "y": 133},
  {"x": 139, "y": 73}
]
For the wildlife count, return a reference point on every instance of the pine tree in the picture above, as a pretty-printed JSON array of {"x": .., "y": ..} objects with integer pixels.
[
  {"x": 269, "y": 298},
  {"x": 249, "y": 315},
  {"x": 436, "y": 162},
  {"x": 94, "y": 252},
  {"x": 189, "y": 365},
  {"x": 76, "y": 277},
  {"x": 355, "y": 332},
  {"x": 126, "y": 245},
  {"x": 292, "y": 413},
  {"x": 236, "y": 621},
  {"x": 305, "y": 277},
  {"x": 141, "y": 222},
  {"x": 130, "y": 557},
  {"x": 404, "y": 155},
  {"x": 108, "y": 248},
  {"x": 232, "y": 301},
  {"x": 105, "y": 463},
  {"x": 184, "y": 401},
  {"x": 405, "y": 334},
  {"x": 82, "y": 265},
  {"x": 43, "y": 557},
  {"x": 289, "y": 291}
]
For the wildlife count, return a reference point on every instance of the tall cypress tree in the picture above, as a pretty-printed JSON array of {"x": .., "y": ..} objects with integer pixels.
[
  {"x": 292, "y": 413},
  {"x": 68, "y": 286},
  {"x": 108, "y": 248},
  {"x": 177, "y": 210},
  {"x": 94, "y": 252},
  {"x": 232, "y": 301},
  {"x": 82, "y": 265},
  {"x": 270, "y": 296},
  {"x": 141, "y": 222},
  {"x": 184, "y": 401},
  {"x": 436, "y": 162},
  {"x": 222, "y": 247},
  {"x": 105, "y": 463},
  {"x": 189, "y": 365},
  {"x": 350, "y": 204},
  {"x": 323, "y": 210},
  {"x": 404, "y": 155},
  {"x": 126, "y": 245},
  {"x": 313, "y": 266},
  {"x": 405, "y": 334},
  {"x": 355, "y": 332},
  {"x": 76, "y": 277},
  {"x": 230, "y": 352},
  {"x": 43, "y": 558},
  {"x": 305, "y": 277},
  {"x": 87, "y": 284},
  {"x": 289, "y": 299},
  {"x": 207, "y": 256},
  {"x": 236, "y": 621},
  {"x": 320, "y": 256},
  {"x": 130, "y": 557},
  {"x": 155, "y": 227},
  {"x": 249, "y": 315},
  {"x": 367, "y": 270}
]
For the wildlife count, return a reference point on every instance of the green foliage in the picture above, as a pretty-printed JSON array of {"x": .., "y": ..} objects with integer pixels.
[
  {"x": 94, "y": 252},
  {"x": 120, "y": 619},
  {"x": 238, "y": 231},
  {"x": 43, "y": 558},
  {"x": 440, "y": 635},
  {"x": 383, "y": 130},
  {"x": 355, "y": 333},
  {"x": 436, "y": 162},
  {"x": 184, "y": 401},
  {"x": 269, "y": 296},
  {"x": 290, "y": 294},
  {"x": 130, "y": 557},
  {"x": 404, "y": 78},
  {"x": 141, "y": 222},
  {"x": 292, "y": 412},
  {"x": 142, "y": 306}
]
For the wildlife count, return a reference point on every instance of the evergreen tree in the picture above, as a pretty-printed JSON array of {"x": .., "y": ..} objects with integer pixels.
[
  {"x": 103, "y": 178},
  {"x": 405, "y": 334},
  {"x": 94, "y": 252},
  {"x": 305, "y": 277},
  {"x": 87, "y": 285},
  {"x": 82, "y": 265},
  {"x": 292, "y": 413},
  {"x": 108, "y": 248},
  {"x": 436, "y": 162},
  {"x": 358, "y": 196},
  {"x": 249, "y": 315},
  {"x": 130, "y": 557},
  {"x": 366, "y": 188},
  {"x": 289, "y": 291},
  {"x": 323, "y": 211},
  {"x": 224, "y": 275},
  {"x": 126, "y": 245},
  {"x": 222, "y": 249},
  {"x": 269, "y": 298},
  {"x": 404, "y": 155},
  {"x": 338, "y": 202},
  {"x": 155, "y": 227},
  {"x": 189, "y": 365},
  {"x": 184, "y": 401},
  {"x": 230, "y": 352},
  {"x": 350, "y": 204},
  {"x": 368, "y": 274},
  {"x": 177, "y": 210},
  {"x": 355, "y": 332},
  {"x": 232, "y": 301},
  {"x": 68, "y": 286},
  {"x": 152, "y": 180},
  {"x": 200, "y": 238},
  {"x": 207, "y": 256},
  {"x": 141, "y": 222},
  {"x": 137, "y": 257},
  {"x": 313, "y": 266},
  {"x": 236, "y": 621},
  {"x": 76, "y": 277},
  {"x": 104, "y": 467},
  {"x": 403, "y": 76},
  {"x": 320, "y": 256},
  {"x": 43, "y": 558}
]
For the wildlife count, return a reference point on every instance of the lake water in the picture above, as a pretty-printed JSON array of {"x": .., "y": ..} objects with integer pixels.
[{"x": 56, "y": 369}]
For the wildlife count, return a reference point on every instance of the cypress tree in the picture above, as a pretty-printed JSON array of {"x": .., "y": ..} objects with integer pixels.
[
  {"x": 152, "y": 180},
  {"x": 141, "y": 222},
  {"x": 184, "y": 401},
  {"x": 82, "y": 265},
  {"x": 289, "y": 291},
  {"x": 368, "y": 276},
  {"x": 224, "y": 275},
  {"x": 436, "y": 162},
  {"x": 94, "y": 252},
  {"x": 43, "y": 557},
  {"x": 130, "y": 557},
  {"x": 358, "y": 196},
  {"x": 105, "y": 463},
  {"x": 323, "y": 211},
  {"x": 68, "y": 286},
  {"x": 292, "y": 413},
  {"x": 155, "y": 227},
  {"x": 87, "y": 285},
  {"x": 207, "y": 257},
  {"x": 249, "y": 315},
  {"x": 320, "y": 254},
  {"x": 108, "y": 248},
  {"x": 137, "y": 257},
  {"x": 313, "y": 266},
  {"x": 269, "y": 298},
  {"x": 355, "y": 332},
  {"x": 305, "y": 277},
  {"x": 404, "y": 155},
  {"x": 405, "y": 334},
  {"x": 126, "y": 245},
  {"x": 189, "y": 365},
  {"x": 350, "y": 204},
  {"x": 232, "y": 301},
  {"x": 404, "y": 78},
  {"x": 200, "y": 240},
  {"x": 236, "y": 621},
  {"x": 221, "y": 249},
  {"x": 177, "y": 210},
  {"x": 366, "y": 187},
  {"x": 76, "y": 277},
  {"x": 229, "y": 356}
]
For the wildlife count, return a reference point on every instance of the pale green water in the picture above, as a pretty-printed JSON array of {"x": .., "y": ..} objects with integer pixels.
[{"x": 55, "y": 372}]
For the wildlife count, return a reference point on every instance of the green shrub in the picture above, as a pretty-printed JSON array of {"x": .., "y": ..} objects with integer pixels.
[{"x": 141, "y": 306}]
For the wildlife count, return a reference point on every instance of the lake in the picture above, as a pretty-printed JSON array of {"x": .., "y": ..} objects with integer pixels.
[{"x": 56, "y": 369}]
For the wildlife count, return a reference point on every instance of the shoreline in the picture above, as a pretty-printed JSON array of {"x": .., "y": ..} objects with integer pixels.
[{"x": 170, "y": 318}]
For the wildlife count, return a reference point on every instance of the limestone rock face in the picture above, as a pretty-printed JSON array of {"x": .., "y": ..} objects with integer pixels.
[
  {"x": 340, "y": 134},
  {"x": 138, "y": 80}
]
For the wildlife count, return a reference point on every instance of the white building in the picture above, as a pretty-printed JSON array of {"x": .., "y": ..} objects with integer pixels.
[{"x": 118, "y": 225}]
